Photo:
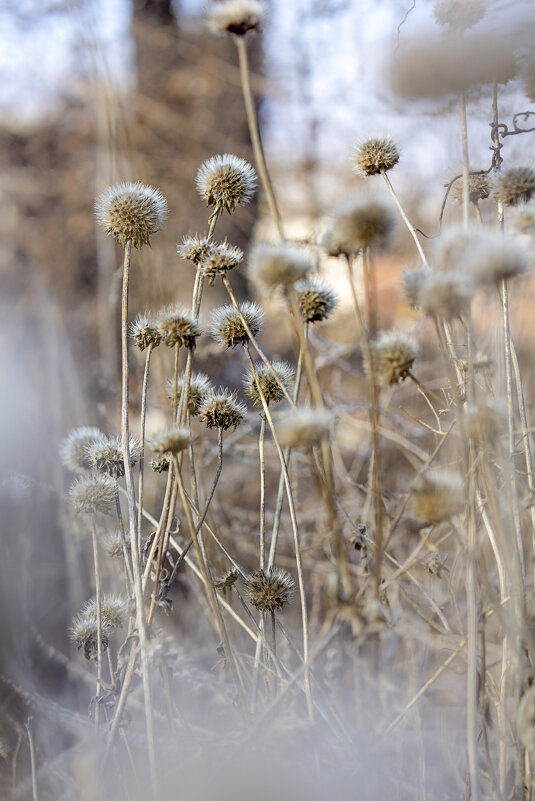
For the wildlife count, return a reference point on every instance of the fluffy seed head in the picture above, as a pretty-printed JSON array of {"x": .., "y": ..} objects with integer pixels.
[
  {"x": 478, "y": 188},
  {"x": 199, "y": 386},
  {"x": 219, "y": 260},
  {"x": 194, "y": 248},
  {"x": 173, "y": 440},
  {"x": 73, "y": 449},
  {"x": 222, "y": 409},
  {"x": 227, "y": 328},
  {"x": 93, "y": 494},
  {"x": 494, "y": 258},
  {"x": 113, "y": 611},
  {"x": 437, "y": 497},
  {"x": 316, "y": 299},
  {"x": 445, "y": 295},
  {"x": 451, "y": 247},
  {"x": 144, "y": 333},
  {"x": 275, "y": 265},
  {"x": 106, "y": 455},
  {"x": 375, "y": 155},
  {"x": 513, "y": 186},
  {"x": 84, "y": 632},
  {"x": 227, "y": 580},
  {"x": 226, "y": 181},
  {"x": 528, "y": 78},
  {"x": 177, "y": 327},
  {"x": 412, "y": 282},
  {"x": 131, "y": 212},
  {"x": 459, "y": 15},
  {"x": 304, "y": 427},
  {"x": 113, "y": 544},
  {"x": 359, "y": 223},
  {"x": 485, "y": 422},
  {"x": 393, "y": 355},
  {"x": 270, "y": 387},
  {"x": 523, "y": 219},
  {"x": 270, "y": 591},
  {"x": 236, "y": 16}
]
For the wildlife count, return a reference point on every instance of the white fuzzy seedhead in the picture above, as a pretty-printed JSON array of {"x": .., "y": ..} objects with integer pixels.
[
  {"x": 375, "y": 156},
  {"x": 445, "y": 295},
  {"x": 106, "y": 455},
  {"x": 225, "y": 182},
  {"x": 176, "y": 326},
  {"x": 270, "y": 385},
  {"x": 279, "y": 265},
  {"x": 316, "y": 299},
  {"x": 304, "y": 427},
  {"x": 131, "y": 212},
  {"x": 173, "y": 440},
  {"x": 93, "y": 494},
  {"x": 219, "y": 259},
  {"x": 478, "y": 188},
  {"x": 222, "y": 410},
  {"x": 393, "y": 354},
  {"x": 194, "y": 248},
  {"x": 412, "y": 282},
  {"x": 73, "y": 450},
  {"x": 513, "y": 186},
  {"x": 199, "y": 386},
  {"x": 226, "y": 325},
  {"x": 493, "y": 258},
  {"x": 237, "y": 17},
  {"x": 144, "y": 333},
  {"x": 437, "y": 497},
  {"x": 359, "y": 223},
  {"x": 459, "y": 15}
]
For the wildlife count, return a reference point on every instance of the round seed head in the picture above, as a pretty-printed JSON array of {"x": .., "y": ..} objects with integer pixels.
[
  {"x": 275, "y": 265},
  {"x": 106, "y": 455},
  {"x": 445, "y": 295},
  {"x": 113, "y": 611},
  {"x": 219, "y": 260},
  {"x": 144, "y": 333},
  {"x": 199, "y": 386},
  {"x": 113, "y": 544},
  {"x": 84, "y": 632},
  {"x": 226, "y": 181},
  {"x": 513, "y": 186},
  {"x": 393, "y": 355},
  {"x": 270, "y": 591},
  {"x": 523, "y": 219},
  {"x": 435, "y": 564},
  {"x": 270, "y": 387},
  {"x": 173, "y": 440},
  {"x": 73, "y": 449},
  {"x": 177, "y": 327},
  {"x": 478, "y": 188},
  {"x": 194, "y": 248},
  {"x": 494, "y": 258},
  {"x": 451, "y": 247},
  {"x": 227, "y": 328},
  {"x": 304, "y": 427},
  {"x": 411, "y": 284},
  {"x": 316, "y": 299},
  {"x": 437, "y": 497},
  {"x": 227, "y": 580},
  {"x": 486, "y": 421},
  {"x": 375, "y": 156},
  {"x": 160, "y": 464},
  {"x": 236, "y": 16},
  {"x": 459, "y": 15},
  {"x": 221, "y": 409},
  {"x": 93, "y": 494},
  {"x": 131, "y": 212},
  {"x": 359, "y": 223}
]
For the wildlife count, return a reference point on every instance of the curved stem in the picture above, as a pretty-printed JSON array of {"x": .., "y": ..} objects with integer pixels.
[{"x": 405, "y": 218}]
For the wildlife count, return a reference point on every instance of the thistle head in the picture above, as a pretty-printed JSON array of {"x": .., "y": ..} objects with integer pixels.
[
  {"x": 375, "y": 156},
  {"x": 113, "y": 611},
  {"x": 84, "y": 632},
  {"x": 131, "y": 212},
  {"x": 412, "y": 282},
  {"x": 437, "y": 497},
  {"x": 513, "y": 186},
  {"x": 173, "y": 440},
  {"x": 144, "y": 333},
  {"x": 160, "y": 464},
  {"x": 270, "y": 385},
  {"x": 226, "y": 181},
  {"x": 73, "y": 450},
  {"x": 304, "y": 427},
  {"x": 222, "y": 410},
  {"x": 227, "y": 328},
  {"x": 227, "y": 580},
  {"x": 451, "y": 247},
  {"x": 459, "y": 15},
  {"x": 219, "y": 260},
  {"x": 393, "y": 355},
  {"x": 445, "y": 295},
  {"x": 494, "y": 258},
  {"x": 113, "y": 544},
  {"x": 269, "y": 591},
  {"x": 236, "y": 17},
  {"x": 478, "y": 188},
  {"x": 279, "y": 265},
  {"x": 93, "y": 494},
  {"x": 194, "y": 248},
  {"x": 359, "y": 223},
  {"x": 316, "y": 299},
  {"x": 486, "y": 420},
  {"x": 106, "y": 455},
  {"x": 199, "y": 386},
  {"x": 523, "y": 219},
  {"x": 177, "y": 327}
]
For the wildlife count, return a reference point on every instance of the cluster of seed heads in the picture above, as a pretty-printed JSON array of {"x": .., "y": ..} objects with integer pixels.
[
  {"x": 199, "y": 386},
  {"x": 84, "y": 629},
  {"x": 131, "y": 212},
  {"x": 269, "y": 591}
]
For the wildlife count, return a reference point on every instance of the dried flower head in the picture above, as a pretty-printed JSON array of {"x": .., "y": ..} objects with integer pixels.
[
  {"x": 160, "y": 464},
  {"x": 236, "y": 16},
  {"x": 219, "y": 260},
  {"x": 445, "y": 295},
  {"x": 359, "y": 223},
  {"x": 435, "y": 564},
  {"x": 523, "y": 219},
  {"x": 493, "y": 258},
  {"x": 93, "y": 494},
  {"x": 199, "y": 386},
  {"x": 459, "y": 15},
  {"x": 173, "y": 440},
  {"x": 270, "y": 591},
  {"x": 451, "y": 247},
  {"x": 144, "y": 333},
  {"x": 437, "y": 497},
  {"x": 227, "y": 580},
  {"x": 513, "y": 186},
  {"x": 226, "y": 181},
  {"x": 131, "y": 212},
  {"x": 222, "y": 410},
  {"x": 227, "y": 328},
  {"x": 113, "y": 611},
  {"x": 177, "y": 327},
  {"x": 412, "y": 282},
  {"x": 393, "y": 355},
  {"x": 275, "y": 265},
  {"x": 316, "y": 299},
  {"x": 194, "y": 248},
  {"x": 304, "y": 427},
  {"x": 486, "y": 421},
  {"x": 478, "y": 188},
  {"x": 73, "y": 449},
  {"x": 113, "y": 544},
  {"x": 270, "y": 385},
  {"x": 375, "y": 156},
  {"x": 84, "y": 632},
  {"x": 106, "y": 455}
]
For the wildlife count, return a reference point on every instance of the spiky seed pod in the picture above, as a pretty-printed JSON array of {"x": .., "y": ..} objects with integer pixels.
[
  {"x": 199, "y": 386},
  {"x": 221, "y": 409},
  {"x": 270, "y": 591},
  {"x": 445, "y": 295},
  {"x": 113, "y": 544},
  {"x": 494, "y": 258},
  {"x": 304, "y": 427},
  {"x": 177, "y": 327},
  {"x": 523, "y": 219},
  {"x": 131, "y": 212},
  {"x": 194, "y": 248},
  {"x": 478, "y": 188},
  {"x": 106, "y": 455},
  {"x": 226, "y": 181},
  {"x": 160, "y": 464},
  {"x": 227, "y": 580},
  {"x": 459, "y": 15},
  {"x": 236, "y": 16},
  {"x": 486, "y": 421},
  {"x": 513, "y": 186},
  {"x": 435, "y": 564},
  {"x": 93, "y": 494},
  {"x": 279, "y": 265},
  {"x": 411, "y": 284},
  {"x": 143, "y": 333},
  {"x": 219, "y": 260},
  {"x": 359, "y": 223},
  {"x": 84, "y": 632},
  {"x": 269, "y": 386},
  {"x": 437, "y": 497},
  {"x": 375, "y": 156},
  {"x": 73, "y": 450},
  {"x": 173, "y": 440},
  {"x": 393, "y": 355},
  {"x": 227, "y": 328},
  {"x": 316, "y": 299},
  {"x": 113, "y": 611}
]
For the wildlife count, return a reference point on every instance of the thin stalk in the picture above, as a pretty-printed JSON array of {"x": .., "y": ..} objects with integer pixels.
[
  {"x": 142, "y": 442},
  {"x": 32, "y": 759},
  {"x": 404, "y": 217},
  {"x": 98, "y": 602},
  {"x": 466, "y": 164},
  {"x": 261, "y": 437}
]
